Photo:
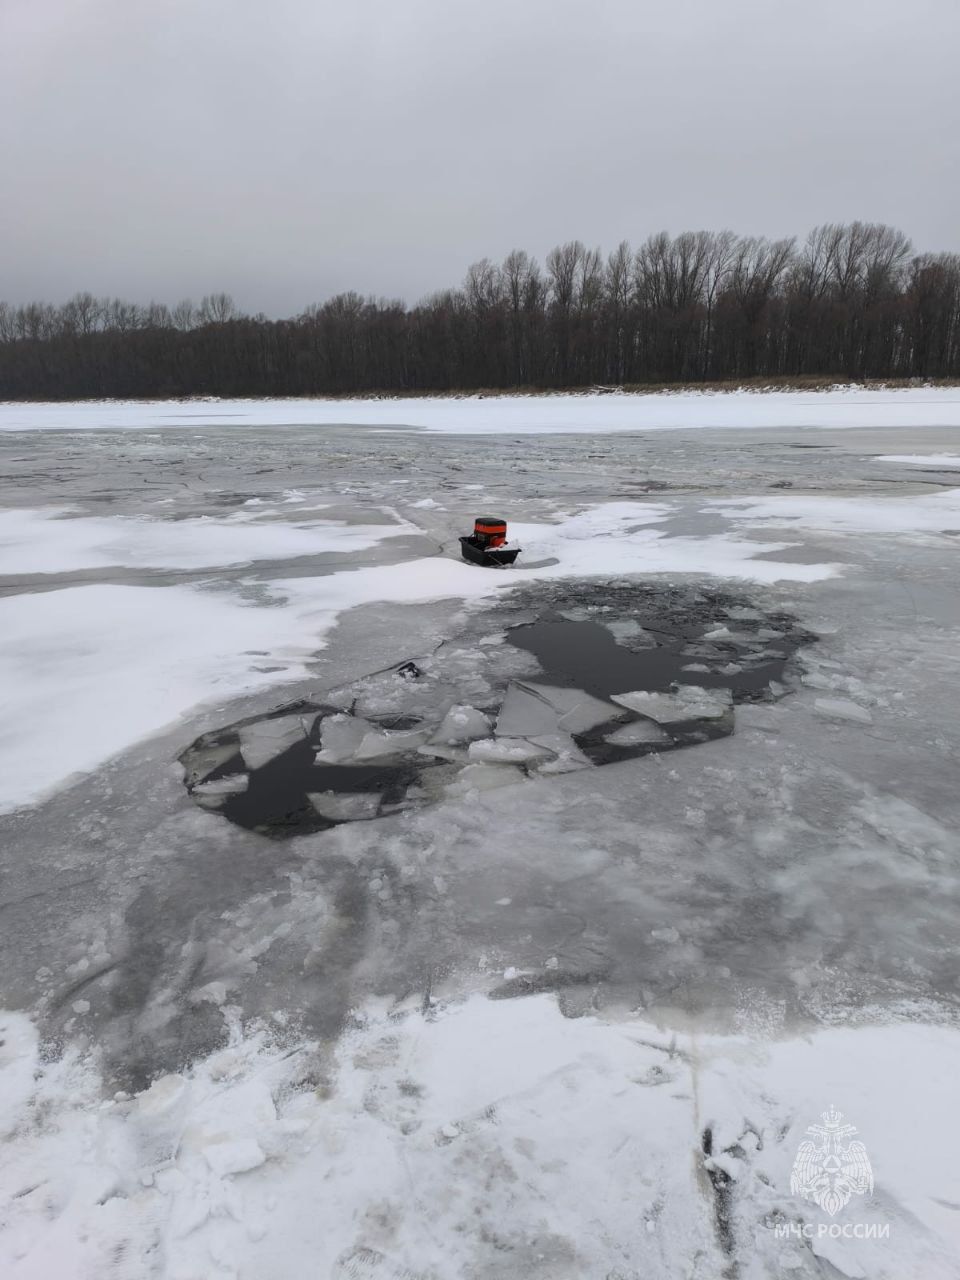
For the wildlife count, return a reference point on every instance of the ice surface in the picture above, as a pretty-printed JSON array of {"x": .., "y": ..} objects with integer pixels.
[
  {"x": 740, "y": 934},
  {"x": 944, "y": 460},
  {"x": 485, "y": 1097},
  {"x": 163, "y": 651},
  {"x": 928, "y": 513},
  {"x": 57, "y": 540},
  {"x": 126, "y": 661}
]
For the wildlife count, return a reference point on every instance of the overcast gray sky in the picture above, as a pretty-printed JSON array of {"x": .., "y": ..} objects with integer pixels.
[{"x": 284, "y": 150}]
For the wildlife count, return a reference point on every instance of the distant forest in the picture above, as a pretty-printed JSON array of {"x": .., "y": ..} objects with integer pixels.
[{"x": 852, "y": 301}]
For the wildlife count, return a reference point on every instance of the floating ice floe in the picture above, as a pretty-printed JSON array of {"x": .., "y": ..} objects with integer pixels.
[
  {"x": 266, "y": 739},
  {"x": 637, "y": 734},
  {"x": 341, "y": 736},
  {"x": 389, "y": 742},
  {"x": 506, "y": 751},
  {"x": 346, "y": 806},
  {"x": 524, "y": 713},
  {"x": 461, "y": 724},
  {"x": 576, "y": 710},
  {"x": 231, "y": 785},
  {"x": 689, "y": 702},
  {"x": 485, "y": 777},
  {"x": 567, "y": 755}
]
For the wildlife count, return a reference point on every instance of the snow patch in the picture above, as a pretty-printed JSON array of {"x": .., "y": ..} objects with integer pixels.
[{"x": 242, "y": 1166}]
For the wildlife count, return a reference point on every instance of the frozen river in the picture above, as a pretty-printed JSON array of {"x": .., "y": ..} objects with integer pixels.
[{"x": 563, "y": 1005}]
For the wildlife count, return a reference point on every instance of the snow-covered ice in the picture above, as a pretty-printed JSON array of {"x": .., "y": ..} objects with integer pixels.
[
  {"x": 931, "y": 513},
  {"x": 843, "y": 406},
  {"x": 478, "y": 1137},
  {"x": 559, "y": 1021},
  {"x": 57, "y": 540},
  {"x": 946, "y": 460}
]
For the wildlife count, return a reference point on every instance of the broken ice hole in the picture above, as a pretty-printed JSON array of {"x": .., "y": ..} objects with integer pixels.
[{"x": 592, "y": 676}]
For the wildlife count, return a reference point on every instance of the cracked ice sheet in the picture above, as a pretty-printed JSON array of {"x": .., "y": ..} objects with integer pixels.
[
  {"x": 408, "y": 1163},
  {"x": 53, "y": 540},
  {"x": 842, "y": 406},
  {"x": 87, "y": 671},
  {"x": 927, "y": 513}
]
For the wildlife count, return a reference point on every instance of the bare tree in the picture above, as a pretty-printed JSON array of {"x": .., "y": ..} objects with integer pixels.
[
  {"x": 184, "y": 315},
  {"x": 216, "y": 308}
]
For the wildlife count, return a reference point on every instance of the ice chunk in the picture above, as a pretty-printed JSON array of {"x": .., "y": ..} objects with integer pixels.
[
  {"x": 842, "y": 709},
  {"x": 638, "y": 733},
  {"x": 350, "y": 806},
  {"x": 341, "y": 736},
  {"x": 577, "y": 711},
  {"x": 630, "y": 629},
  {"x": 461, "y": 724},
  {"x": 816, "y": 680},
  {"x": 702, "y": 651},
  {"x": 264, "y": 741},
  {"x": 389, "y": 742},
  {"x": 485, "y": 777},
  {"x": 568, "y": 755},
  {"x": 237, "y": 1155},
  {"x": 689, "y": 702},
  {"x": 441, "y": 752},
  {"x": 200, "y": 762},
  {"x": 165, "y": 1096},
  {"x": 231, "y": 785},
  {"x": 506, "y": 751},
  {"x": 524, "y": 713}
]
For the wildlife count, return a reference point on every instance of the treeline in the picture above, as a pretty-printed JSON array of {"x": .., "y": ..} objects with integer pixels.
[{"x": 852, "y": 301}]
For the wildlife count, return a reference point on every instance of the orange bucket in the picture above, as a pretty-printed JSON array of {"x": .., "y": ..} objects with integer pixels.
[{"x": 490, "y": 531}]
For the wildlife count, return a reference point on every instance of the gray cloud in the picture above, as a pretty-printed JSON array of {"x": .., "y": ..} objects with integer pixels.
[{"x": 284, "y": 150}]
